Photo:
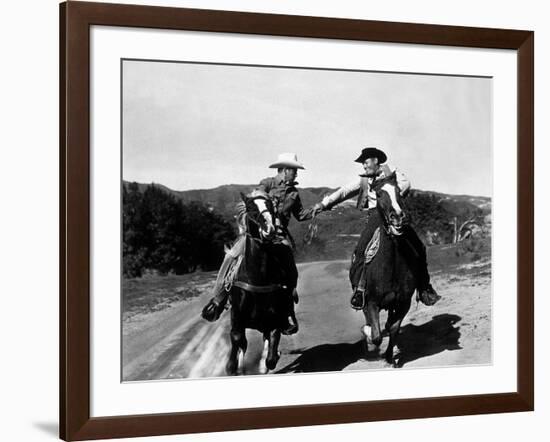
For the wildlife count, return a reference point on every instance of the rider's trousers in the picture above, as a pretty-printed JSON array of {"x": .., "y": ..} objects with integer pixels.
[
  {"x": 410, "y": 244},
  {"x": 220, "y": 294}
]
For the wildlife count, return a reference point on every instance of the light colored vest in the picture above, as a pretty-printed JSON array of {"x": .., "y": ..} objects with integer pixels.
[{"x": 363, "y": 197}]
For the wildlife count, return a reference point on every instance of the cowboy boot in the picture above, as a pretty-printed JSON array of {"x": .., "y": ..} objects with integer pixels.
[
  {"x": 415, "y": 253},
  {"x": 213, "y": 310},
  {"x": 215, "y": 307},
  {"x": 357, "y": 300},
  {"x": 425, "y": 293},
  {"x": 428, "y": 296},
  {"x": 359, "y": 297},
  {"x": 292, "y": 323}
]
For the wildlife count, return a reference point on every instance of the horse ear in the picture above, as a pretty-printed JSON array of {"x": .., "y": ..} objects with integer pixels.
[{"x": 391, "y": 178}]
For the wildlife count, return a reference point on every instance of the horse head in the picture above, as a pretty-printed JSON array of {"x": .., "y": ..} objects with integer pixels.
[
  {"x": 389, "y": 203},
  {"x": 258, "y": 215}
]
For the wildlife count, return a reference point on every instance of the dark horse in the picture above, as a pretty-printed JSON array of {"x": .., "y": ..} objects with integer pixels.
[
  {"x": 259, "y": 295},
  {"x": 390, "y": 280}
]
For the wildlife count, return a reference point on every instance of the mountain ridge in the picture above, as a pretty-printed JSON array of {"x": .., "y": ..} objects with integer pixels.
[
  {"x": 224, "y": 197},
  {"x": 436, "y": 217}
]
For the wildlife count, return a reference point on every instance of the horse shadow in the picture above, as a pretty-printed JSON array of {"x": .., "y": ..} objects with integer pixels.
[
  {"x": 325, "y": 357},
  {"x": 433, "y": 337},
  {"x": 415, "y": 342}
]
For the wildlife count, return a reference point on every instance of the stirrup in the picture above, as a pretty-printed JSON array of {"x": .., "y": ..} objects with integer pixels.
[
  {"x": 428, "y": 296},
  {"x": 212, "y": 311},
  {"x": 353, "y": 301},
  {"x": 291, "y": 329}
]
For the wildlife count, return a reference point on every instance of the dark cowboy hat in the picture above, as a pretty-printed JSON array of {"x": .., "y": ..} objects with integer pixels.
[{"x": 371, "y": 152}]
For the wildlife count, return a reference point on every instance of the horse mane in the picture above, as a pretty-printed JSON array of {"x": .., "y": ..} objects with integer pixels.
[
  {"x": 240, "y": 209},
  {"x": 390, "y": 179},
  {"x": 258, "y": 193}
]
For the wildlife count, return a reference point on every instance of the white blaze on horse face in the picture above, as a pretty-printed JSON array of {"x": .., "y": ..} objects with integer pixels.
[
  {"x": 260, "y": 203},
  {"x": 390, "y": 190}
]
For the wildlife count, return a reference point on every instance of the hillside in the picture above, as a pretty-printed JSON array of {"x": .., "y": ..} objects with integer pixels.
[
  {"x": 224, "y": 198},
  {"x": 432, "y": 214}
]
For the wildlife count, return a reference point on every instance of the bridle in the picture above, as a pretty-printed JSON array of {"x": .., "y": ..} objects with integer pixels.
[
  {"x": 389, "y": 228},
  {"x": 250, "y": 219}
]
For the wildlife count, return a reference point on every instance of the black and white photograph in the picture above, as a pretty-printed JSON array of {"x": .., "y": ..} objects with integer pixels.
[{"x": 280, "y": 220}]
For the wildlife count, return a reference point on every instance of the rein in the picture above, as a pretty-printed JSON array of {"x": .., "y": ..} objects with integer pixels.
[
  {"x": 311, "y": 233},
  {"x": 252, "y": 220},
  {"x": 389, "y": 229}
]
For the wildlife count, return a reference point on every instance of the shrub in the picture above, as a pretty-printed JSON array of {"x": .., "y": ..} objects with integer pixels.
[{"x": 164, "y": 235}]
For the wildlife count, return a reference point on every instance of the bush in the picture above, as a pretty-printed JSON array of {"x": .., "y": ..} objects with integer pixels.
[
  {"x": 473, "y": 247},
  {"x": 162, "y": 234}
]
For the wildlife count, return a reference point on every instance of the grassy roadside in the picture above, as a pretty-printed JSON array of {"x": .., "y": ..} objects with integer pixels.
[{"x": 154, "y": 293}]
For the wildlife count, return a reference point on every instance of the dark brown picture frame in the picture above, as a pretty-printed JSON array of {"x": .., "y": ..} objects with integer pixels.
[{"x": 75, "y": 21}]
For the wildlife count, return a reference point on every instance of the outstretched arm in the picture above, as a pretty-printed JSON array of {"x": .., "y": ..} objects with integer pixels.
[
  {"x": 299, "y": 212},
  {"x": 344, "y": 193}
]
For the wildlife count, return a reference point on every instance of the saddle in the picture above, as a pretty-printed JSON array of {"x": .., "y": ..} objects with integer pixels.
[
  {"x": 358, "y": 299},
  {"x": 258, "y": 270}
]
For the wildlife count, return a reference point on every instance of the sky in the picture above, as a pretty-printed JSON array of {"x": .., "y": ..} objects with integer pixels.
[{"x": 199, "y": 126}]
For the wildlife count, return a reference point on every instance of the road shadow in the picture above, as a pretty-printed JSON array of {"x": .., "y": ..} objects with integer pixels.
[
  {"x": 415, "y": 342},
  {"x": 428, "y": 339},
  {"x": 326, "y": 357}
]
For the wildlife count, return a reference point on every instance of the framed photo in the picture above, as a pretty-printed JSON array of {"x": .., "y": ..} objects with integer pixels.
[{"x": 272, "y": 221}]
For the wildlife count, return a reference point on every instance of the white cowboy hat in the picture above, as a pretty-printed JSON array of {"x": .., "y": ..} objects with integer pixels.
[{"x": 287, "y": 160}]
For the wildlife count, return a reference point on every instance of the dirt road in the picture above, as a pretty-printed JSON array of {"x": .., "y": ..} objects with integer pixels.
[{"x": 176, "y": 343}]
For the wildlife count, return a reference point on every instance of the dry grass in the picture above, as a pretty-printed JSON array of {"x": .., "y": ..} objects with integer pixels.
[{"x": 154, "y": 293}]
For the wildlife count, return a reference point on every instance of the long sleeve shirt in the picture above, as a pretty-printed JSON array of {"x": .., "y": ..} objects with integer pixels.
[
  {"x": 362, "y": 187},
  {"x": 286, "y": 199}
]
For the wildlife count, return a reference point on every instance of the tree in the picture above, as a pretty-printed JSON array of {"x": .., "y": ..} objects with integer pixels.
[{"x": 162, "y": 234}]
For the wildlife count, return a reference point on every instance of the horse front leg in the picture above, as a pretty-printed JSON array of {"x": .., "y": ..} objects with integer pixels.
[
  {"x": 393, "y": 326},
  {"x": 262, "y": 367},
  {"x": 273, "y": 349},
  {"x": 372, "y": 328},
  {"x": 393, "y": 331},
  {"x": 236, "y": 351}
]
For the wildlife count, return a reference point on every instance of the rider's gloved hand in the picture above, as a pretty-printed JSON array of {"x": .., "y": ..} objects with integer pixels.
[{"x": 317, "y": 208}]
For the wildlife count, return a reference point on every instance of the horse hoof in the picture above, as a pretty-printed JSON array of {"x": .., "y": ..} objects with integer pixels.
[
  {"x": 271, "y": 364},
  {"x": 231, "y": 368},
  {"x": 367, "y": 333},
  {"x": 265, "y": 353},
  {"x": 239, "y": 369},
  {"x": 263, "y": 368},
  {"x": 394, "y": 363},
  {"x": 371, "y": 348}
]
